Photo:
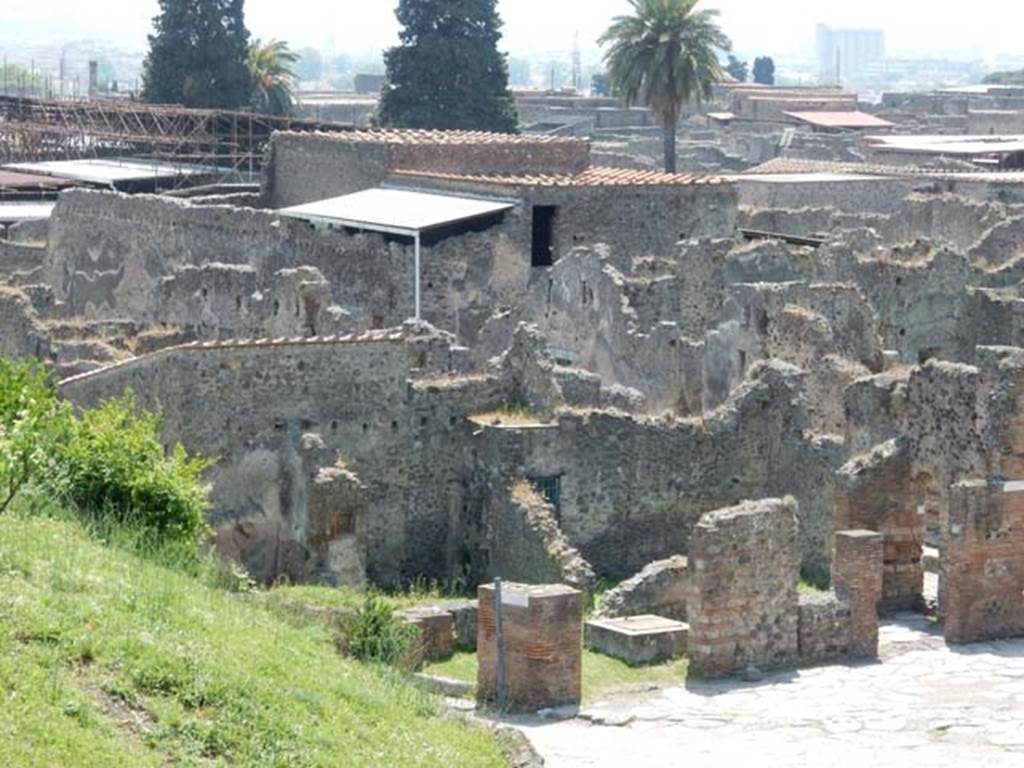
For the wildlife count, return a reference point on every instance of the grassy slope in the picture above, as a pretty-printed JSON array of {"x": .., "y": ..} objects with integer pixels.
[{"x": 109, "y": 660}]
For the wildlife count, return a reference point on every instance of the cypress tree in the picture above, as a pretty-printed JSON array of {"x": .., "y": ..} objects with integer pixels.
[
  {"x": 198, "y": 55},
  {"x": 447, "y": 72}
]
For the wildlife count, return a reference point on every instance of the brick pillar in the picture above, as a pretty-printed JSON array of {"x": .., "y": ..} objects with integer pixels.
[
  {"x": 857, "y": 568},
  {"x": 543, "y": 628}
]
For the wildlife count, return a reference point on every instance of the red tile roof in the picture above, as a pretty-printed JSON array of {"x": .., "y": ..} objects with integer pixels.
[
  {"x": 852, "y": 119},
  {"x": 14, "y": 181},
  {"x": 592, "y": 177},
  {"x": 452, "y": 138}
]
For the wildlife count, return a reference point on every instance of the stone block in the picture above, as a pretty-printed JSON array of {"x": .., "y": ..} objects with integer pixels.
[
  {"x": 543, "y": 643},
  {"x": 637, "y": 640},
  {"x": 464, "y": 614},
  {"x": 436, "y": 640}
]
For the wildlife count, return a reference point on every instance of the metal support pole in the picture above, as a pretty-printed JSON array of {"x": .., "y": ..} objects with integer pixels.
[
  {"x": 500, "y": 684},
  {"x": 418, "y": 318}
]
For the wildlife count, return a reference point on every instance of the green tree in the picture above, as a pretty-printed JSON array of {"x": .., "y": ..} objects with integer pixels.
[
  {"x": 737, "y": 69},
  {"x": 198, "y": 55},
  {"x": 764, "y": 70},
  {"x": 664, "y": 55},
  {"x": 447, "y": 72},
  {"x": 272, "y": 67}
]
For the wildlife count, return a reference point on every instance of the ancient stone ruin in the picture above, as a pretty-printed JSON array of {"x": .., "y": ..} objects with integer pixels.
[{"x": 704, "y": 387}]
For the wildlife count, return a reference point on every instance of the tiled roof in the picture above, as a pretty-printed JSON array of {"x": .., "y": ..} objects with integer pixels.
[
  {"x": 450, "y": 138},
  {"x": 792, "y": 165},
  {"x": 592, "y": 177},
  {"x": 852, "y": 119}
]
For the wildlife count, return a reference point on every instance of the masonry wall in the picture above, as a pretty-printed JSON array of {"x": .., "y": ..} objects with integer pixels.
[
  {"x": 624, "y": 502},
  {"x": 743, "y": 608},
  {"x": 275, "y": 415},
  {"x": 983, "y": 562},
  {"x": 305, "y": 167}
]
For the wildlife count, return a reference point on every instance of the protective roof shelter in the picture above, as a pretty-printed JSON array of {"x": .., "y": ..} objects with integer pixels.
[
  {"x": 15, "y": 212},
  {"x": 399, "y": 212},
  {"x": 117, "y": 173},
  {"x": 853, "y": 120}
]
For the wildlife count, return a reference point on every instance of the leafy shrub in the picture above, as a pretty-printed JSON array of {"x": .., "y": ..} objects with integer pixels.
[
  {"x": 113, "y": 466},
  {"x": 32, "y": 422},
  {"x": 378, "y": 636}
]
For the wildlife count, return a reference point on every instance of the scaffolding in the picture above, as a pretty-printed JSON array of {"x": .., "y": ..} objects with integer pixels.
[{"x": 235, "y": 142}]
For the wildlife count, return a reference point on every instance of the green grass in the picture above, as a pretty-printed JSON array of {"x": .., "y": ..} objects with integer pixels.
[
  {"x": 108, "y": 659},
  {"x": 602, "y": 675},
  {"x": 351, "y": 598}
]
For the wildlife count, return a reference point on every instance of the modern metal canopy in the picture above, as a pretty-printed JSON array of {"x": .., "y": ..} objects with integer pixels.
[{"x": 397, "y": 212}]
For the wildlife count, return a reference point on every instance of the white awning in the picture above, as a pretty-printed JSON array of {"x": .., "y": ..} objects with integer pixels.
[
  {"x": 395, "y": 211},
  {"x": 110, "y": 171}
]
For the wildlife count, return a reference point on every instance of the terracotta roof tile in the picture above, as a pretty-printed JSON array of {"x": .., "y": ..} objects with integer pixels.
[
  {"x": 592, "y": 177},
  {"x": 450, "y": 138}
]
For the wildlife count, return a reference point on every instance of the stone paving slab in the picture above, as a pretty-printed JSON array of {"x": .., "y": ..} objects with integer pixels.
[{"x": 926, "y": 704}]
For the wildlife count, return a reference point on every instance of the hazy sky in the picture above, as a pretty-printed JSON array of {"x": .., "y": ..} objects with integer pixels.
[{"x": 979, "y": 28}]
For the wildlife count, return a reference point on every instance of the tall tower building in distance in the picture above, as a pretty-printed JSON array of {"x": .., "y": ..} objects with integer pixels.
[{"x": 846, "y": 54}]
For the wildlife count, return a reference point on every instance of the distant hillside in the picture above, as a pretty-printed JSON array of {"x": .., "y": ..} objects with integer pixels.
[
  {"x": 1005, "y": 78},
  {"x": 109, "y": 660}
]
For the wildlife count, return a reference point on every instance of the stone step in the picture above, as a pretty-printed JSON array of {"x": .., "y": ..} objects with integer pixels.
[{"x": 645, "y": 639}]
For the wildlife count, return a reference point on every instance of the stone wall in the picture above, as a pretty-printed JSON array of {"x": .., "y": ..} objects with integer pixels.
[
  {"x": 661, "y": 589},
  {"x": 22, "y": 334},
  {"x": 824, "y": 628},
  {"x": 277, "y": 414},
  {"x": 306, "y": 167},
  {"x": 983, "y": 562},
  {"x": 743, "y": 607},
  {"x": 525, "y": 542},
  {"x": 857, "y": 582}
]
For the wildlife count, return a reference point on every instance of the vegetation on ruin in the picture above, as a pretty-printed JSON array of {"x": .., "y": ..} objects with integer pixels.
[
  {"x": 602, "y": 675},
  {"x": 198, "y": 55},
  {"x": 107, "y": 463},
  {"x": 509, "y": 415},
  {"x": 109, "y": 658},
  {"x": 664, "y": 55},
  {"x": 447, "y": 72}
]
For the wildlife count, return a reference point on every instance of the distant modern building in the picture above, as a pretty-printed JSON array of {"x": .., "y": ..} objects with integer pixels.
[{"x": 846, "y": 54}]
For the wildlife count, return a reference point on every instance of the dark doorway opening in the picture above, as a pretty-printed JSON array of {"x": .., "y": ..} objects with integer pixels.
[{"x": 543, "y": 235}]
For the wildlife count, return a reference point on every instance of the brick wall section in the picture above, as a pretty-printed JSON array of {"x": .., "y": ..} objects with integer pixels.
[
  {"x": 983, "y": 562},
  {"x": 543, "y": 645},
  {"x": 857, "y": 580},
  {"x": 660, "y": 588},
  {"x": 743, "y": 608},
  {"x": 879, "y": 493}
]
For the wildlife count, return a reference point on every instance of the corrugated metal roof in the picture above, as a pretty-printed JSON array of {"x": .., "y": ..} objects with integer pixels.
[
  {"x": 948, "y": 144},
  {"x": 852, "y": 119},
  {"x": 791, "y": 167},
  {"x": 396, "y": 210},
  {"x": 105, "y": 171},
  {"x": 13, "y": 212},
  {"x": 592, "y": 177}
]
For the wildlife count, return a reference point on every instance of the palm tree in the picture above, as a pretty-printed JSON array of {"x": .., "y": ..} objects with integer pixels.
[
  {"x": 664, "y": 55},
  {"x": 271, "y": 65}
]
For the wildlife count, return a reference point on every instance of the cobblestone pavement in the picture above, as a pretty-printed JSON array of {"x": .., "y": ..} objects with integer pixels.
[{"x": 924, "y": 703}]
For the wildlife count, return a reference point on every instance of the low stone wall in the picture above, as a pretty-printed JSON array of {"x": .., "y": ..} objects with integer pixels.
[
  {"x": 743, "y": 607},
  {"x": 661, "y": 588},
  {"x": 825, "y": 628}
]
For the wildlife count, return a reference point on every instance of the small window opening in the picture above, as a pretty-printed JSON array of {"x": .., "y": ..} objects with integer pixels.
[{"x": 543, "y": 235}]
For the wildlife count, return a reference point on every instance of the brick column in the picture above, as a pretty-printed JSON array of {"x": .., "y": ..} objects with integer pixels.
[
  {"x": 857, "y": 568},
  {"x": 543, "y": 627}
]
